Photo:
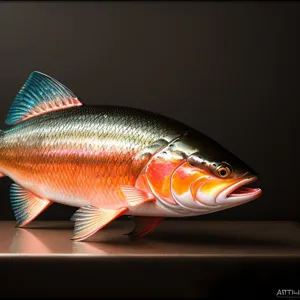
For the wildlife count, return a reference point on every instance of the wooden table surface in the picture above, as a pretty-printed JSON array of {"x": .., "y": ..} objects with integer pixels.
[{"x": 178, "y": 259}]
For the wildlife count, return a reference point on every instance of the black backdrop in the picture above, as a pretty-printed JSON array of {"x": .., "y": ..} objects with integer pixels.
[{"x": 229, "y": 69}]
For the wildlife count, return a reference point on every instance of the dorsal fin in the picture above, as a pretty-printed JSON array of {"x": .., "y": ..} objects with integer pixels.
[{"x": 39, "y": 95}]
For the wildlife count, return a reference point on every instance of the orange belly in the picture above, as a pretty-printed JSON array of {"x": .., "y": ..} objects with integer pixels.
[{"x": 72, "y": 179}]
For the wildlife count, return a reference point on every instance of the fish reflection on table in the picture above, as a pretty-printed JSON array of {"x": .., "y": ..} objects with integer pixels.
[
  {"x": 43, "y": 242},
  {"x": 30, "y": 242},
  {"x": 51, "y": 242}
]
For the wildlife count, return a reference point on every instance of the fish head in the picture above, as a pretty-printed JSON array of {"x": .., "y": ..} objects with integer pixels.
[{"x": 211, "y": 177}]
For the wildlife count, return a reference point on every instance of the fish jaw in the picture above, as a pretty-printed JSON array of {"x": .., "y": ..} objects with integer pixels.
[{"x": 238, "y": 194}]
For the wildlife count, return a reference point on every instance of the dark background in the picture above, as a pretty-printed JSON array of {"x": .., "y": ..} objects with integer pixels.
[{"x": 229, "y": 69}]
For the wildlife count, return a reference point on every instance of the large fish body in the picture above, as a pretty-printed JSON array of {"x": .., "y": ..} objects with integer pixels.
[{"x": 110, "y": 161}]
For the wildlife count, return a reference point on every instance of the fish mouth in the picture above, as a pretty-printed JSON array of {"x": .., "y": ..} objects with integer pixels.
[{"x": 239, "y": 192}]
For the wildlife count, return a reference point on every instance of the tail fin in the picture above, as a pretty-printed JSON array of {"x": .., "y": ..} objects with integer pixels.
[{"x": 1, "y": 134}]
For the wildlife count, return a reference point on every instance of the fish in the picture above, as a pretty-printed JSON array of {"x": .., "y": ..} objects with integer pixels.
[{"x": 109, "y": 161}]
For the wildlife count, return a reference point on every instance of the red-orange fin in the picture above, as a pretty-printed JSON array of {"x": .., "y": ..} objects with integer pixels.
[
  {"x": 89, "y": 219},
  {"x": 144, "y": 225},
  {"x": 39, "y": 95},
  {"x": 135, "y": 196},
  {"x": 2, "y": 175},
  {"x": 26, "y": 205}
]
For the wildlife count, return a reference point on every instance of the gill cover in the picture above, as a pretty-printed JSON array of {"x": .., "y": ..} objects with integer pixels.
[
  {"x": 172, "y": 180},
  {"x": 185, "y": 182}
]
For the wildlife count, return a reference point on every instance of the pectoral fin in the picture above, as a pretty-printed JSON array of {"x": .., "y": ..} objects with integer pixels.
[
  {"x": 144, "y": 225},
  {"x": 89, "y": 219},
  {"x": 135, "y": 196},
  {"x": 26, "y": 205}
]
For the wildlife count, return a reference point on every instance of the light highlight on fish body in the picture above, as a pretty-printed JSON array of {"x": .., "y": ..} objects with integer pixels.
[{"x": 110, "y": 161}]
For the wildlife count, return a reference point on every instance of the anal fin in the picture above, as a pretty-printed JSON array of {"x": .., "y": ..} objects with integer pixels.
[
  {"x": 144, "y": 225},
  {"x": 89, "y": 219},
  {"x": 26, "y": 205}
]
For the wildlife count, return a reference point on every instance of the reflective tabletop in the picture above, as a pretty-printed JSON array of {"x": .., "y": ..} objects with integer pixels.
[
  {"x": 171, "y": 238},
  {"x": 179, "y": 259}
]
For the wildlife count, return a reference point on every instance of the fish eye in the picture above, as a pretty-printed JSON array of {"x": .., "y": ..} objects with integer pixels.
[{"x": 223, "y": 170}]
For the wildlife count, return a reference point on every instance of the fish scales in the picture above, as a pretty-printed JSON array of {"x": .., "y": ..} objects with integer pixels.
[{"x": 81, "y": 155}]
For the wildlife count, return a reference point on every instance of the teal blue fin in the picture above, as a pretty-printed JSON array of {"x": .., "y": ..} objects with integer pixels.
[
  {"x": 26, "y": 205},
  {"x": 40, "y": 94},
  {"x": 1, "y": 134}
]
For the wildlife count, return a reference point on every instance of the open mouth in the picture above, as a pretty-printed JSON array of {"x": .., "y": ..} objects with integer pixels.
[
  {"x": 239, "y": 192},
  {"x": 243, "y": 191}
]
